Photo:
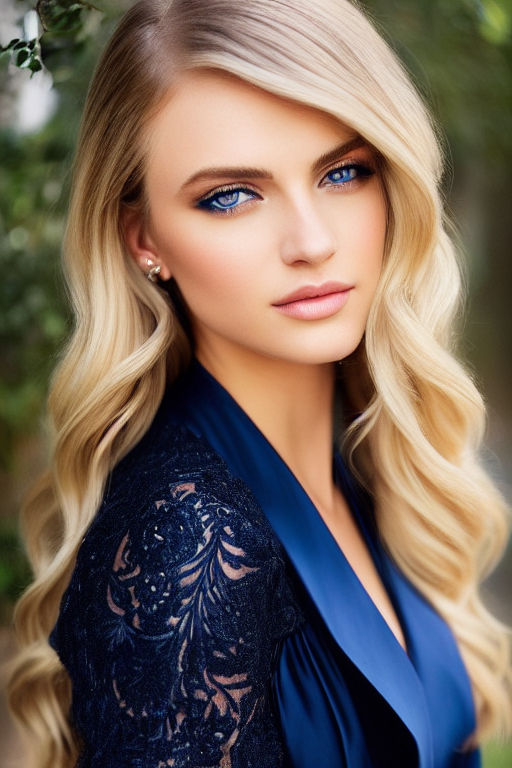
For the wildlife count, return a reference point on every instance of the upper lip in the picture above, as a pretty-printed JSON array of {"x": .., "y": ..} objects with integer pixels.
[{"x": 312, "y": 291}]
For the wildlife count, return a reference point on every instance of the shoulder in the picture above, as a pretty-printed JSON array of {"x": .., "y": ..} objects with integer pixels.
[
  {"x": 176, "y": 525},
  {"x": 175, "y": 609},
  {"x": 167, "y": 453},
  {"x": 201, "y": 541},
  {"x": 174, "y": 492}
]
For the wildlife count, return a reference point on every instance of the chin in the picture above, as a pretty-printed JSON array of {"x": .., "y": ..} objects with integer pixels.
[
  {"x": 327, "y": 345},
  {"x": 319, "y": 354}
]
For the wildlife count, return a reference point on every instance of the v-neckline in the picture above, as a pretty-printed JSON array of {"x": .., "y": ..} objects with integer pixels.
[
  {"x": 207, "y": 408},
  {"x": 346, "y": 486},
  {"x": 353, "y": 500}
]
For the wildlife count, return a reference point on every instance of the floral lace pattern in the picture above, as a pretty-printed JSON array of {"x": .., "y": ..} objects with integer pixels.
[{"x": 170, "y": 628}]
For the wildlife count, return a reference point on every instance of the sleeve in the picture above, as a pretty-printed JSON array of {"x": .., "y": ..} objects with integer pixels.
[{"x": 180, "y": 639}]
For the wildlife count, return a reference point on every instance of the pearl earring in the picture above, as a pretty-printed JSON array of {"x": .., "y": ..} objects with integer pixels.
[{"x": 153, "y": 270}]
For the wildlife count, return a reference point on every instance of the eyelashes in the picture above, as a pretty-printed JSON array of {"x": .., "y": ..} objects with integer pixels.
[{"x": 228, "y": 199}]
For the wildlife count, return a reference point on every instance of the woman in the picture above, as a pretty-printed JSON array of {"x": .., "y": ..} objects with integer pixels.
[{"x": 236, "y": 593}]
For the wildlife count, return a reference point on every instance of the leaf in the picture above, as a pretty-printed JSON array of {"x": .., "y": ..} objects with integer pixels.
[
  {"x": 35, "y": 65},
  {"x": 10, "y": 46},
  {"x": 496, "y": 24},
  {"x": 22, "y": 57}
]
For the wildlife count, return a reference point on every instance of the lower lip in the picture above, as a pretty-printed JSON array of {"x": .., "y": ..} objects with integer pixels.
[{"x": 315, "y": 308}]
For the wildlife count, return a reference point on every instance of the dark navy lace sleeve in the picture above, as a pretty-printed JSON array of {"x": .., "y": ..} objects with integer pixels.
[{"x": 170, "y": 628}]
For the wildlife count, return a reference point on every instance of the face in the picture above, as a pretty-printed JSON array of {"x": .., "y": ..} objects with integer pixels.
[{"x": 269, "y": 215}]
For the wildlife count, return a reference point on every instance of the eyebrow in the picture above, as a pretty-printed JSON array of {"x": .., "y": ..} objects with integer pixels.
[{"x": 236, "y": 172}]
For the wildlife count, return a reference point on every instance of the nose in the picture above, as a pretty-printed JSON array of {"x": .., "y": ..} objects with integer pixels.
[{"x": 307, "y": 236}]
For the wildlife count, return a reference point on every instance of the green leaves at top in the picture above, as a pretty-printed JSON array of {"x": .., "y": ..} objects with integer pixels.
[
  {"x": 26, "y": 54},
  {"x": 59, "y": 19},
  {"x": 62, "y": 16}
]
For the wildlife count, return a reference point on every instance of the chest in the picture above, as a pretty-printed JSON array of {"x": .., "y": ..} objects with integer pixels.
[{"x": 340, "y": 523}]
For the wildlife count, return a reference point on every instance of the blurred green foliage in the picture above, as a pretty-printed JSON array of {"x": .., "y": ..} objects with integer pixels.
[
  {"x": 32, "y": 318},
  {"x": 14, "y": 569},
  {"x": 497, "y": 755},
  {"x": 460, "y": 54},
  {"x": 61, "y": 20},
  {"x": 34, "y": 184}
]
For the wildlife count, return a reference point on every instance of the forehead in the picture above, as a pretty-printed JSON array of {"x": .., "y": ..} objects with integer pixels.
[{"x": 213, "y": 118}]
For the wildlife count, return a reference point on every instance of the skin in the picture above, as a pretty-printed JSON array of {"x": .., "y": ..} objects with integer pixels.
[{"x": 305, "y": 219}]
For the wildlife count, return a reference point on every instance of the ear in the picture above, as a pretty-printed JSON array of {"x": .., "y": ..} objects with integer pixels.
[{"x": 140, "y": 243}]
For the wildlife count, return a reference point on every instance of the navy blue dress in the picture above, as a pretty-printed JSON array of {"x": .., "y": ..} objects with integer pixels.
[{"x": 212, "y": 621}]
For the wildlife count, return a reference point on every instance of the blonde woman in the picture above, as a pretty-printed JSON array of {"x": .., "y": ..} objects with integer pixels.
[{"x": 215, "y": 583}]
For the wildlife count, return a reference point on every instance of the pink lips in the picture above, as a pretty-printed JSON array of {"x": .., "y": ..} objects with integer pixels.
[{"x": 314, "y": 302}]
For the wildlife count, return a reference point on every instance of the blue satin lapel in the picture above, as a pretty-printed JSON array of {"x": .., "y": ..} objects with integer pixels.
[
  {"x": 209, "y": 410},
  {"x": 420, "y": 620}
]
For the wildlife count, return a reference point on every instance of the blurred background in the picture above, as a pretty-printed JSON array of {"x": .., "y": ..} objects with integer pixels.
[{"x": 459, "y": 53}]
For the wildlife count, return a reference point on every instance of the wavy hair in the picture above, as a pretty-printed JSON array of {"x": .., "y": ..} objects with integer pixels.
[{"x": 417, "y": 418}]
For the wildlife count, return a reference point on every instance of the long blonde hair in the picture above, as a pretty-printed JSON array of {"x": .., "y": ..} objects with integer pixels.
[{"x": 420, "y": 419}]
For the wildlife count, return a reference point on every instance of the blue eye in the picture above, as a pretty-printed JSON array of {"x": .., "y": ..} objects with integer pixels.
[
  {"x": 346, "y": 173},
  {"x": 340, "y": 175},
  {"x": 226, "y": 200}
]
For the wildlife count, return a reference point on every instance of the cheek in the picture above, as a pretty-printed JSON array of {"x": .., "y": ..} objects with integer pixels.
[
  {"x": 370, "y": 232},
  {"x": 206, "y": 263}
]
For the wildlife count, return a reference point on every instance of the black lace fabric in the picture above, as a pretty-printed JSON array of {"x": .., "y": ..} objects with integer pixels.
[{"x": 171, "y": 625}]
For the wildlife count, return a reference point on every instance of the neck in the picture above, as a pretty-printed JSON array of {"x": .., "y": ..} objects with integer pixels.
[{"x": 292, "y": 405}]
